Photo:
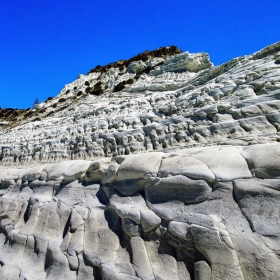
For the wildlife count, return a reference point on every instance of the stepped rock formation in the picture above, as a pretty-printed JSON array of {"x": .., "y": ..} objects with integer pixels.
[{"x": 159, "y": 167}]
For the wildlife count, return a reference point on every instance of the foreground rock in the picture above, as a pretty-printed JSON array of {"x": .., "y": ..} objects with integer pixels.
[{"x": 179, "y": 215}]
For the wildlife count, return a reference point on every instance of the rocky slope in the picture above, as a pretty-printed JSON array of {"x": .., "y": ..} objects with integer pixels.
[
  {"x": 159, "y": 167},
  {"x": 185, "y": 101}
]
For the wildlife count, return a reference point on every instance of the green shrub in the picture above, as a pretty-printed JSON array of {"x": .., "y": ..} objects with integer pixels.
[
  {"x": 28, "y": 113},
  {"x": 145, "y": 58},
  {"x": 88, "y": 89},
  {"x": 96, "y": 91},
  {"x": 119, "y": 87},
  {"x": 98, "y": 84},
  {"x": 147, "y": 69}
]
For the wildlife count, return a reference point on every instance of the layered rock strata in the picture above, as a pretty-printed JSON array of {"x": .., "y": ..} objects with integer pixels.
[
  {"x": 202, "y": 213},
  {"x": 174, "y": 102},
  {"x": 159, "y": 167}
]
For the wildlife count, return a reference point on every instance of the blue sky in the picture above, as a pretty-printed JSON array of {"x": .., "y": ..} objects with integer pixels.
[{"x": 46, "y": 44}]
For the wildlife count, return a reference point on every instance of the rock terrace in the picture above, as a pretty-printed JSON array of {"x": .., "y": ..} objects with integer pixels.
[{"x": 160, "y": 167}]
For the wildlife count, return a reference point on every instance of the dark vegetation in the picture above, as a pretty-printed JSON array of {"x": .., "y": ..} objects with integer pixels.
[
  {"x": 88, "y": 89},
  {"x": 36, "y": 102},
  {"x": 119, "y": 87},
  {"x": 8, "y": 114},
  {"x": 96, "y": 90},
  {"x": 16, "y": 116},
  {"x": 122, "y": 84},
  {"x": 147, "y": 70},
  {"x": 160, "y": 52},
  {"x": 28, "y": 113}
]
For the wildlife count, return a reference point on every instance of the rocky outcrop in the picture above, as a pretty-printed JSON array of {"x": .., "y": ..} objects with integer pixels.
[
  {"x": 236, "y": 103},
  {"x": 157, "y": 55},
  {"x": 203, "y": 213},
  {"x": 184, "y": 62},
  {"x": 159, "y": 167}
]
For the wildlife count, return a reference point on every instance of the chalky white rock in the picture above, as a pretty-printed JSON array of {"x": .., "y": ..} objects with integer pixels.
[{"x": 173, "y": 172}]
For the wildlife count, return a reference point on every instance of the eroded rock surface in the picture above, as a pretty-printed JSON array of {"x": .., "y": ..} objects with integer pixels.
[
  {"x": 159, "y": 167},
  {"x": 156, "y": 217},
  {"x": 162, "y": 102}
]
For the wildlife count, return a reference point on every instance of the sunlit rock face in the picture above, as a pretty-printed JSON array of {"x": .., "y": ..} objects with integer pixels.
[
  {"x": 202, "y": 213},
  {"x": 159, "y": 167},
  {"x": 166, "y": 102}
]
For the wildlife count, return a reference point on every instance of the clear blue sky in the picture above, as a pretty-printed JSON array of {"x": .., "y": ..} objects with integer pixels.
[{"x": 46, "y": 44}]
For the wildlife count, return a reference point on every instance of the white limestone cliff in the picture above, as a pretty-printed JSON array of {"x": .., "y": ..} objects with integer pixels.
[{"x": 161, "y": 168}]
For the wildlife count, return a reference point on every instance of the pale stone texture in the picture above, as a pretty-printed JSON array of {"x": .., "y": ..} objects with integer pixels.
[
  {"x": 174, "y": 177},
  {"x": 175, "y": 227},
  {"x": 184, "y": 102}
]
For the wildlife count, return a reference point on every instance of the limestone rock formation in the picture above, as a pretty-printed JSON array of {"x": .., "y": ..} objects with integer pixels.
[
  {"x": 159, "y": 167},
  {"x": 178, "y": 100}
]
